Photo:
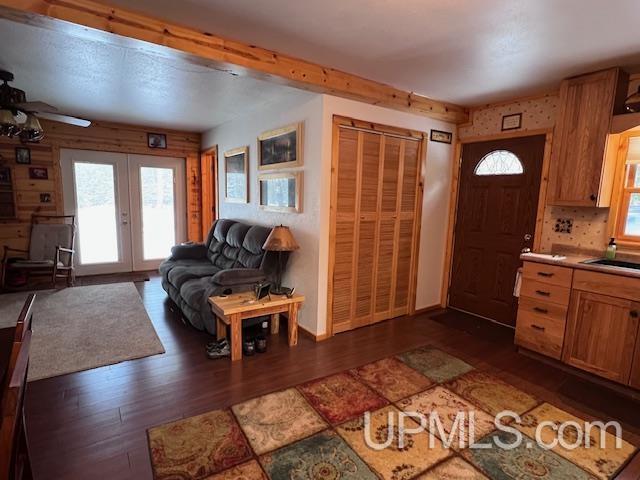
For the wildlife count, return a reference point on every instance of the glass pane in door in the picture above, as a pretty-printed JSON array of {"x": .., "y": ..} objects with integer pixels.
[
  {"x": 158, "y": 212},
  {"x": 96, "y": 207}
]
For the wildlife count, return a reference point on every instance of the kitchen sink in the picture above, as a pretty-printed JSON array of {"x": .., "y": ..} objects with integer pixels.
[{"x": 613, "y": 263}]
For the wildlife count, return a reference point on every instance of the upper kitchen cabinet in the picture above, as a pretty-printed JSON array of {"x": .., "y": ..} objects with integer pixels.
[{"x": 583, "y": 153}]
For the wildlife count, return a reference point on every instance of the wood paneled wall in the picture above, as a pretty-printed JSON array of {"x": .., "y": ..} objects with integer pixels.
[{"x": 102, "y": 136}]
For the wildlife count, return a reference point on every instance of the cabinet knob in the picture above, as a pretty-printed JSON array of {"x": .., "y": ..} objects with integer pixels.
[
  {"x": 593, "y": 197},
  {"x": 634, "y": 314}
]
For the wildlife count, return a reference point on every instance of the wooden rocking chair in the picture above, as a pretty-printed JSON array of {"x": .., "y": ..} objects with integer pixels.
[{"x": 50, "y": 252}]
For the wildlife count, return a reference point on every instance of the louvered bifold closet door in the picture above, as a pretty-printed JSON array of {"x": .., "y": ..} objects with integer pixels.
[
  {"x": 345, "y": 229},
  {"x": 406, "y": 226},
  {"x": 374, "y": 192}
]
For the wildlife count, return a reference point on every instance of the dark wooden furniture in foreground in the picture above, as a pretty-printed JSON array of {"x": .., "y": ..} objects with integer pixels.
[
  {"x": 14, "y": 451},
  {"x": 92, "y": 425},
  {"x": 232, "y": 309},
  {"x": 42, "y": 257}
]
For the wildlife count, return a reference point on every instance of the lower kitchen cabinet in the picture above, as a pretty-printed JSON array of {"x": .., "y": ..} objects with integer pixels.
[
  {"x": 586, "y": 319},
  {"x": 601, "y": 335}
]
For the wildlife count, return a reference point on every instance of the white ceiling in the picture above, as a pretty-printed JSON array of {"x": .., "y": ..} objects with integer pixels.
[
  {"x": 468, "y": 52},
  {"x": 115, "y": 83}
]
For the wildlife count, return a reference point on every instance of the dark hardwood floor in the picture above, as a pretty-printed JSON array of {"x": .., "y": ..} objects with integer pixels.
[{"x": 92, "y": 425}]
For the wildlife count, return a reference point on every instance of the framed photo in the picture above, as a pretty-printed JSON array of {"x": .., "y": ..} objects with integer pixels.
[
  {"x": 280, "y": 192},
  {"x": 236, "y": 178},
  {"x": 5, "y": 176},
  {"x": 280, "y": 148},
  {"x": 511, "y": 122},
  {"x": 45, "y": 198},
  {"x": 23, "y": 155},
  {"x": 441, "y": 136},
  {"x": 37, "y": 173},
  {"x": 156, "y": 140}
]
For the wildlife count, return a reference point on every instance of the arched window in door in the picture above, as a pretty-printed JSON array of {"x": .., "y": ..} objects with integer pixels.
[{"x": 499, "y": 162}]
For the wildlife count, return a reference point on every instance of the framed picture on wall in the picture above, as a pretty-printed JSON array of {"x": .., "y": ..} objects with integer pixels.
[
  {"x": 280, "y": 192},
  {"x": 280, "y": 148},
  {"x": 156, "y": 140},
  {"x": 23, "y": 155},
  {"x": 236, "y": 178}
]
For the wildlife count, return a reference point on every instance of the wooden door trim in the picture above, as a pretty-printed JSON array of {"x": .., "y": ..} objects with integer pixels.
[
  {"x": 379, "y": 128},
  {"x": 455, "y": 195},
  {"x": 506, "y": 135},
  {"x": 414, "y": 135},
  {"x": 209, "y": 187}
]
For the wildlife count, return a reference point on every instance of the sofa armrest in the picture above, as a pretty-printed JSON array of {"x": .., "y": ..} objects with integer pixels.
[
  {"x": 239, "y": 276},
  {"x": 191, "y": 251}
]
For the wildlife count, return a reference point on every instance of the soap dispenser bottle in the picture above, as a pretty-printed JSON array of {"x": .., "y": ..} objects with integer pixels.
[{"x": 611, "y": 249}]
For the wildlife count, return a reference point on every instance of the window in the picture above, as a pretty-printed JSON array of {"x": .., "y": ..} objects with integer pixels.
[
  {"x": 629, "y": 213},
  {"x": 499, "y": 162}
]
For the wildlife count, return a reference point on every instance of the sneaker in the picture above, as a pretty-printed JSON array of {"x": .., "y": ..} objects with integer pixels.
[
  {"x": 218, "y": 344},
  {"x": 219, "y": 353}
]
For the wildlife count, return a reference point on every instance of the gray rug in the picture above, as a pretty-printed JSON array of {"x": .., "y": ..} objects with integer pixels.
[{"x": 80, "y": 328}]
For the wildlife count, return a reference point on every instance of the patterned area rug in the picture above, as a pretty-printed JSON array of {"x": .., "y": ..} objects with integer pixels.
[{"x": 317, "y": 431}]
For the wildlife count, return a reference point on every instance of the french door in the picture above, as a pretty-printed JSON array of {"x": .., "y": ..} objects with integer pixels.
[{"x": 130, "y": 209}]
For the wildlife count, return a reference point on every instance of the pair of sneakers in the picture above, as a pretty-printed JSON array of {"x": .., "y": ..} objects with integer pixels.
[{"x": 218, "y": 349}]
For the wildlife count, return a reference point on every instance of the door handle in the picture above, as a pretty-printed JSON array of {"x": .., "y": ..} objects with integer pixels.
[
  {"x": 543, "y": 293},
  {"x": 634, "y": 314},
  {"x": 545, "y": 274},
  {"x": 537, "y": 327},
  {"x": 541, "y": 310}
]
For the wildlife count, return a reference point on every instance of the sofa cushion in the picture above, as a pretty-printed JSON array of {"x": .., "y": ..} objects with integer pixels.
[
  {"x": 180, "y": 274},
  {"x": 239, "y": 276},
  {"x": 194, "y": 251},
  {"x": 230, "y": 250},
  {"x": 218, "y": 238},
  {"x": 251, "y": 253},
  {"x": 170, "y": 263}
]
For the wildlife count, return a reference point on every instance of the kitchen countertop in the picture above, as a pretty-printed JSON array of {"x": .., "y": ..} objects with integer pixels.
[{"x": 574, "y": 261}]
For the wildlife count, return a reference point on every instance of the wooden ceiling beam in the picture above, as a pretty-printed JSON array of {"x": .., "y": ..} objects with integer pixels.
[{"x": 91, "y": 19}]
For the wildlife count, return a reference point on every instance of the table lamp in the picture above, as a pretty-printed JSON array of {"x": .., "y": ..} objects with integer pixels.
[{"x": 280, "y": 240}]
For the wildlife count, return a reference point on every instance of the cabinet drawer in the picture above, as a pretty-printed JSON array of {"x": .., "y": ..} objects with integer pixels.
[
  {"x": 541, "y": 334},
  {"x": 543, "y": 308},
  {"x": 550, "y": 274},
  {"x": 545, "y": 292},
  {"x": 607, "y": 284}
]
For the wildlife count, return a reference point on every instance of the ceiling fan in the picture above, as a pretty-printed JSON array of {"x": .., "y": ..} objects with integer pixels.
[{"x": 20, "y": 118}]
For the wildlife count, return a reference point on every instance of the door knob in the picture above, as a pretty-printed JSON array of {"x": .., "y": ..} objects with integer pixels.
[
  {"x": 527, "y": 237},
  {"x": 634, "y": 314}
]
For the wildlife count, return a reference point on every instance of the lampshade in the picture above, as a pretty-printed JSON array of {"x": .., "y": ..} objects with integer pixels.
[
  {"x": 32, "y": 130},
  {"x": 8, "y": 125},
  {"x": 280, "y": 240}
]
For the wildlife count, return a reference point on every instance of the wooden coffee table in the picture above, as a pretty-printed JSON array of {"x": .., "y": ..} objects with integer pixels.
[{"x": 232, "y": 309}]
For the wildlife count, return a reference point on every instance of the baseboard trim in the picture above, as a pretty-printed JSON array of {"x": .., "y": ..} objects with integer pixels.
[
  {"x": 429, "y": 309},
  {"x": 312, "y": 336}
]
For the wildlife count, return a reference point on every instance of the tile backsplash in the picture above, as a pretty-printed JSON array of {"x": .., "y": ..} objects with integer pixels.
[{"x": 588, "y": 231}]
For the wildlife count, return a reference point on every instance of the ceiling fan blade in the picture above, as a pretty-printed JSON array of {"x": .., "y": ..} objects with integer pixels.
[
  {"x": 58, "y": 117},
  {"x": 36, "y": 107}
]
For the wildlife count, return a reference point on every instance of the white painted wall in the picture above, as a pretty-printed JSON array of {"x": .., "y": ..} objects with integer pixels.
[
  {"x": 308, "y": 268},
  {"x": 302, "y": 269},
  {"x": 435, "y": 205}
]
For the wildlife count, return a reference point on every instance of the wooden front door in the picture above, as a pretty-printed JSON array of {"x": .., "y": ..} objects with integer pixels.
[{"x": 497, "y": 205}]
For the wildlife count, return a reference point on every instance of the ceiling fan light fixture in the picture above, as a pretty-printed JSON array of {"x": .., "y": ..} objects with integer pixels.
[
  {"x": 32, "y": 131},
  {"x": 8, "y": 125}
]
